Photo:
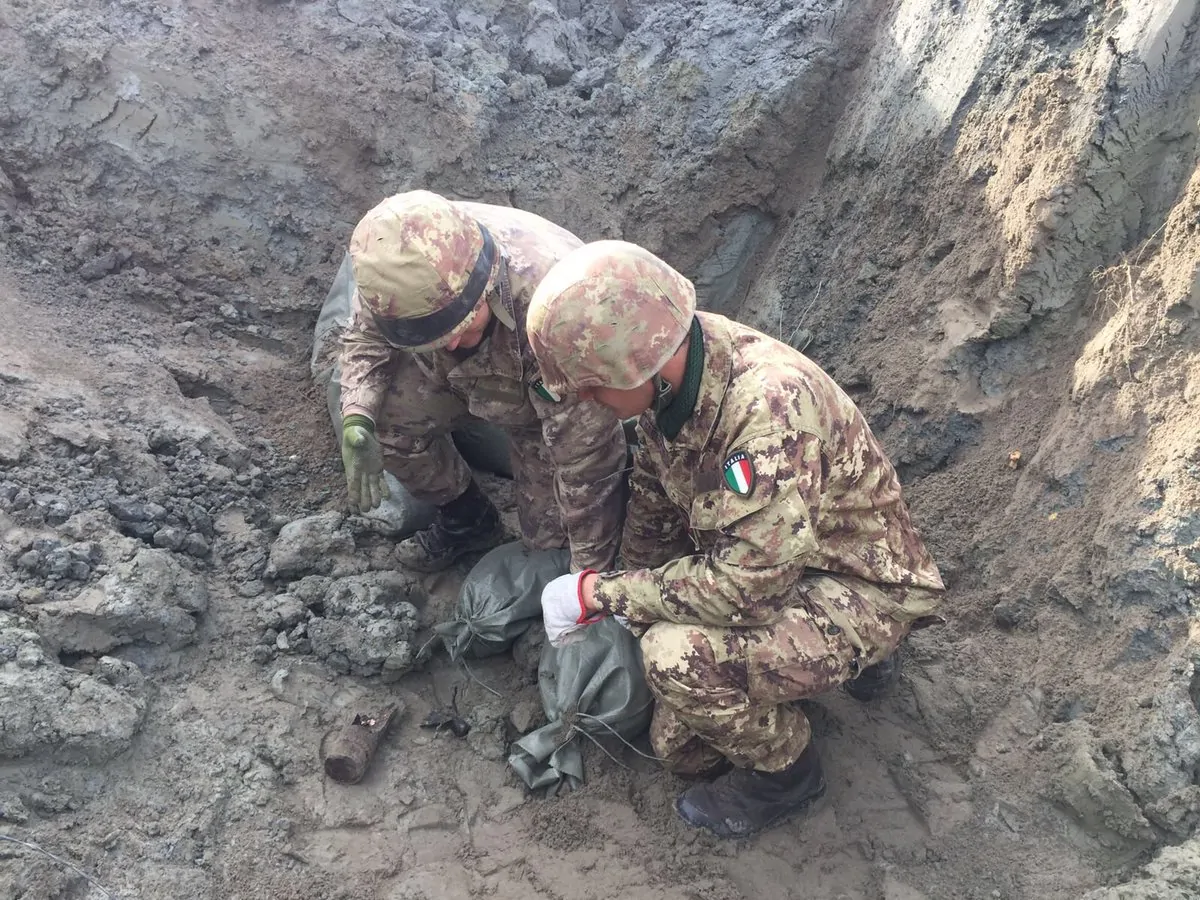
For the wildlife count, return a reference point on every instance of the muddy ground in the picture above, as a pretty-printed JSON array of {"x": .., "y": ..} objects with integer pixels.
[{"x": 982, "y": 216}]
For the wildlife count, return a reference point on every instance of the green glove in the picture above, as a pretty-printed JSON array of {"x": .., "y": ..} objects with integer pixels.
[{"x": 362, "y": 458}]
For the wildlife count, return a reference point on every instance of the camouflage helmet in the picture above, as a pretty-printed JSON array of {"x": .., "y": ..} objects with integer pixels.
[
  {"x": 421, "y": 265},
  {"x": 609, "y": 314}
]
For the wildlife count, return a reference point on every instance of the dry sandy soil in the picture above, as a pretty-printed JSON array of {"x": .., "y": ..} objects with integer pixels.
[{"x": 981, "y": 216}]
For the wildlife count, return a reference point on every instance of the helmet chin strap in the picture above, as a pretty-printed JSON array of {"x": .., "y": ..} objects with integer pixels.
[{"x": 664, "y": 394}]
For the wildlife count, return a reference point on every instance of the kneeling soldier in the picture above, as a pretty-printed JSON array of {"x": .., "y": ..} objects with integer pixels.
[
  {"x": 768, "y": 554},
  {"x": 437, "y": 336}
]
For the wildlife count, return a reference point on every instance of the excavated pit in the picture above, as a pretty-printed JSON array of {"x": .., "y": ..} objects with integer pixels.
[{"x": 981, "y": 216}]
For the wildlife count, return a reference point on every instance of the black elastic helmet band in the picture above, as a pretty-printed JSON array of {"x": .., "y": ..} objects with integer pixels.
[
  {"x": 664, "y": 394},
  {"x": 426, "y": 329}
]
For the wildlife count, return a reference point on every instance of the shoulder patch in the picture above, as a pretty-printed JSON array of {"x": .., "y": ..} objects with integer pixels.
[
  {"x": 739, "y": 474},
  {"x": 539, "y": 388}
]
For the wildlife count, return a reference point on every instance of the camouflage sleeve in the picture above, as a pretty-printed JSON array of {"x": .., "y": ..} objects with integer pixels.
[
  {"x": 654, "y": 532},
  {"x": 367, "y": 362},
  {"x": 587, "y": 444},
  {"x": 763, "y": 540}
]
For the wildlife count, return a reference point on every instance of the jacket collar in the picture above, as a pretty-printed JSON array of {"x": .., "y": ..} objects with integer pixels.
[{"x": 698, "y": 431}]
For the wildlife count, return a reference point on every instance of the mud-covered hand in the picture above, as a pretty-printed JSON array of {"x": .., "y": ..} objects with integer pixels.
[
  {"x": 362, "y": 458},
  {"x": 563, "y": 611}
]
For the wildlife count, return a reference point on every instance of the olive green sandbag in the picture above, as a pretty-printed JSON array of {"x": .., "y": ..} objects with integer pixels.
[
  {"x": 501, "y": 597},
  {"x": 594, "y": 687}
]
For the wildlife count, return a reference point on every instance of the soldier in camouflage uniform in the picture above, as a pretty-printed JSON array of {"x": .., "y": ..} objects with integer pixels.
[
  {"x": 437, "y": 334},
  {"x": 767, "y": 553}
]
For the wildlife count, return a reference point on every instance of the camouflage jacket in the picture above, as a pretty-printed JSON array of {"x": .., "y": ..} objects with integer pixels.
[
  {"x": 775, "y": 472},
  {"x": 585, "y": 441}
]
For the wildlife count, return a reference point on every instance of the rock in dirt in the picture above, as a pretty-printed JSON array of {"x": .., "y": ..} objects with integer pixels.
[
  {"x": 310, "y": 546},
  {"x": 554, "y": 47},
  {"x": 12, "y": 809},
  {"x": 84, "y": 436},
  {"x": 282, "y": 611},
  {"x": 1085, "y": 784},
  {"x": 311, "y": 590},
  {"x": 127, "y": 509},
  {"x": 1008, "y": 614},
  {"x": 527, "y": 715},
  {"x": 169, "y": 538},
  {"x": 1160, "y": 763},
  {"x": 49, "y": 709},
  {"x": 196, "y": 544},
  {"x": 13, "y": 438},
  {"x": 104, "y": 264},
  {"x": 150, "y": 598},
  {"x": 261, "y": 655},
  {"x": 369, "y": 624},
  {"x": 1173, "y": 875}
]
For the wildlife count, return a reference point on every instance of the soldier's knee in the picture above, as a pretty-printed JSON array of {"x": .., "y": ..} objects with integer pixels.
[
  {"x": 671, "y": 656},
  {"x": 663, "y": 644}
]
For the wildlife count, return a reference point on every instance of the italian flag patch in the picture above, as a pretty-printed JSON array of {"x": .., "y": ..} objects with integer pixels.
[{"x": 739, "y": 474}]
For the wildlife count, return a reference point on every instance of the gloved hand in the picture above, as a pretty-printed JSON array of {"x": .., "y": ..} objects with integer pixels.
[
  {"x": 563, "y": 612},
  {"x": 362, "y": 458}
]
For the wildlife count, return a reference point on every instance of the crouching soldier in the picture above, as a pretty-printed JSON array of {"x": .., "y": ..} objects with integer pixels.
[
  {"x": 436, "y": 336},
  {"x": 768, "y": 555}
]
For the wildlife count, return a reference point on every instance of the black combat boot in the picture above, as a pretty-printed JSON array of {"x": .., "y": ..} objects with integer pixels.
[
  {"x": 873, "y": 681},
  {"x": 467, "y": 524},
  {"x": 746, "y": 801}
]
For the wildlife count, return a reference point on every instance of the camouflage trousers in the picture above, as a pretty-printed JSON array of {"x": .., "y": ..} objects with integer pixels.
[
  {"x": 731, "y": 692},
  {"x": 414, "y": 431}
]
